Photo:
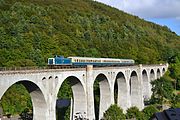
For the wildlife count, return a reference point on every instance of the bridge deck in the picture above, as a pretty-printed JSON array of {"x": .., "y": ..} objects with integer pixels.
[{"x": 15, "y": 70}]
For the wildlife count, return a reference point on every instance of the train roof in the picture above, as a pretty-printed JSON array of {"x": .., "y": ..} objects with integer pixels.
[{"x": 84, "y": 58}]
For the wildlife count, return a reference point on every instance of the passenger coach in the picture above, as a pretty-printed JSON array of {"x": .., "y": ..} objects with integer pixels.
[{"x": 83, "y": 61}]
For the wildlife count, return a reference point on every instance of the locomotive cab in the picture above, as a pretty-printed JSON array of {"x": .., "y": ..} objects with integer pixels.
[
  {"x": 51, "y": 61},
  {"x": 59, "y": 60}
]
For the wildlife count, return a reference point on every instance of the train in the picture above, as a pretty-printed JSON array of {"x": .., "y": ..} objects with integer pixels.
[{"x": 84, "y": 61}]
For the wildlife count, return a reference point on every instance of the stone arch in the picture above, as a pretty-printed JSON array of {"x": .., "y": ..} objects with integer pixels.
[
  {"x": 158, "y": 73},
  {"x": 79, "y": 103},
  {"x": 145, "y": 86},
  {"x": 122, "y": 91},
  {"x": 40, "y": 109},
  {"x": 105, "y": 94},
  {"x": 163, "y": 71},
  {"x": 135, "y": 91},
  {"x": 152, "y": 75}
]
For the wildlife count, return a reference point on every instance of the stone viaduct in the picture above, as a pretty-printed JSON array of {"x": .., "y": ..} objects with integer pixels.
[{"x": 43, "y": 86}]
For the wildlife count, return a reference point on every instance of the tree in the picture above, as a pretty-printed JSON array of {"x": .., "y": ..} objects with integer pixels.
[
  {"x": 177, "y": 83},
  {"x": 67, "y": 113},
  {"x": 162, "y": 89},
  {"x": 114, "y": 113},
  {"x": 176, "y": 101},
  {"x": 16, "y": 99},
  {"x": 149, "y": 111},
  {"x": 134, "y": 113}
]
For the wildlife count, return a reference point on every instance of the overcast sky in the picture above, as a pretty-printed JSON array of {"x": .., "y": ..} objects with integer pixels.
[{"x": 164, "y": 12}]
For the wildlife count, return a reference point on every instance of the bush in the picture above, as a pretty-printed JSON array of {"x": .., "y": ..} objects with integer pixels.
[
  {"x": 176, "y": 101},
  {"x": 134, "y": 113},
  {"x": 149, "y": 111},
  {"x": 114, "y": 113}
]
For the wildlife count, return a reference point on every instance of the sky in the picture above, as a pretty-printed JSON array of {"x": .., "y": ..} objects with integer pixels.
[{"x": 163, "y": 12}]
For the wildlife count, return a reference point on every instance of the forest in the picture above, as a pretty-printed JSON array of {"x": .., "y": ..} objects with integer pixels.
[{"x": 34, "y": 30}]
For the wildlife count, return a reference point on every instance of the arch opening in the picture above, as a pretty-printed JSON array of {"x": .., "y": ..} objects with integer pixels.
[
  {"x": 163, "y": 71},
  {"x": 158, "y": 73},
  {"x": 71, "y": 100},
  {"x": 145, "y": 85},
  {"x": 152, "y": 75},
  {"x": 120, "y": 91},
  {"x": 102, "y": 95},
  {"x": 26, "y": 99}
]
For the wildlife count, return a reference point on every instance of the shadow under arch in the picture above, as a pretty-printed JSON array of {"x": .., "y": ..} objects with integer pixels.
[
  {"x": 102, "y": 95},
  {"x": 40, "y": 111},
  {"x": 78, "y": 101},
  {"x": 122, "y": 91},
  {"x": 146, "y": 84},
  {"x": 135, "y": 91},
  {"x": 152, "y": 78},
  {"x": 152, "y": 75},
  {"x": 163, "y": 71},
  {"x": 158, "y": 73}
]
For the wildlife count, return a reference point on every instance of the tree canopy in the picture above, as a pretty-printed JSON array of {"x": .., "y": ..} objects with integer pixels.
[
  {"x": 33, "y": 30},
  {"x": 114, "y": 113}
]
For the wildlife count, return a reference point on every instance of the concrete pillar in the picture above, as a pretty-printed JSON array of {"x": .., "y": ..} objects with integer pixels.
[
  {"x": 141, "y": 104},
  {"x": 152, "y": 76},
  {"x": 123, "y": 93},
  {"x": 40, "y": 108},
  {"x": 105, "y": 97},
  {"x": 145, "y": 85},
  {"x": 137, "y": 92},
  {"x": 149, "y": 87},
  {"x": 79, "y": 100},
  {"x": 90, "y": 94},
  {"x": 127, "y": 74},
  {"x": 51, "y": 101}
]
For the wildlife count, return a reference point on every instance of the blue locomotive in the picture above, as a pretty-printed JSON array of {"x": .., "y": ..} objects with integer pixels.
[{"x": 83, "y": 61}]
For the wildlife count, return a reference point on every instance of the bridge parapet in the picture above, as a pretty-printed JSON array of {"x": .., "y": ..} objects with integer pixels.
[
  {"x": 155, "y": 65},
  {"x": 26, "y": 71},
  {"x": 21, "y": 70}
]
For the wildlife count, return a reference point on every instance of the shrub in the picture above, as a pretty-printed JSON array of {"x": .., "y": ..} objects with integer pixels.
[
  {"x": 114, "y": 113},
  {"x": 149, "y": 111},
  {"x": 134, "y": 113}
]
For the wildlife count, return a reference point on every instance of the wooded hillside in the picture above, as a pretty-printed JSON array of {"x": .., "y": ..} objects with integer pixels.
[{"x": 33, "y": 30}]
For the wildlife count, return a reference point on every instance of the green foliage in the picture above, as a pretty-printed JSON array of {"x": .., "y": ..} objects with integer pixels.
[
  {"x": 16, "y": 100},
  {"x": 63, "y": 113},
  {"x": 134, "y": 113},
  {"x": 162, "y": 89},
  {"x": 149, "y": 111},
  {"x": 96, "y": 98},
  {"x": 177, "y": 83},
  {"x": 175, "y": 71},
  {"x": 65, "y": 91},
  {"x": 78, "y": 28},
  {"x": 114, "y": 113},
  {"x": 176, "y": 101},
  {"x": 67, "y": 114}
]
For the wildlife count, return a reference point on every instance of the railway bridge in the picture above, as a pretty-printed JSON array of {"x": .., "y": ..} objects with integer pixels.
[{"x": 43, "y": 86}]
